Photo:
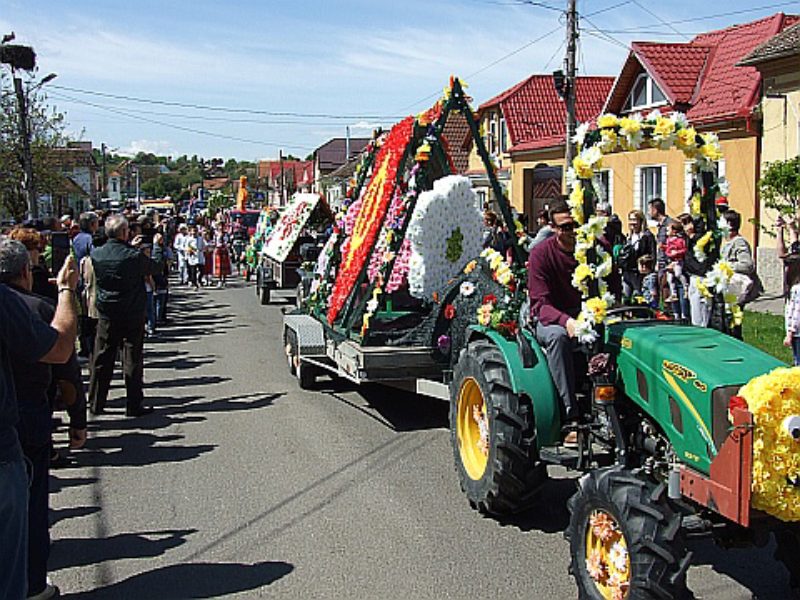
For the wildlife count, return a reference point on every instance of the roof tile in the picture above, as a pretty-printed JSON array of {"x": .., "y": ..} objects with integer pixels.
[{"x": 534, "y": 112}]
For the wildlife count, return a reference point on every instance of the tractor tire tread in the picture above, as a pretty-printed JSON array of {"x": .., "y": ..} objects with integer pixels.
[
  {"x": 513, "y": 473},
  {"x": 658, "y": 555}
]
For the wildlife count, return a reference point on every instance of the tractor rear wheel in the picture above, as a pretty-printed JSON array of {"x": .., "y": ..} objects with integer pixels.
[
  {"x": 492, "y": 433},
  {"x": 625, "y": 539}
]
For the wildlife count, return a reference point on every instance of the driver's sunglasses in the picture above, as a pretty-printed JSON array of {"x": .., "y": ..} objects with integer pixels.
[{"x": 565, "y": 227}]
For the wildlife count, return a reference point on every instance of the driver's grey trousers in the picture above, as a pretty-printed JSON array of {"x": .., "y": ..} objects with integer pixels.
[{"x": 560, "y": 347}]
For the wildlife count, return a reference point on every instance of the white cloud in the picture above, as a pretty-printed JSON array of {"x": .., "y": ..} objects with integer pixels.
[
  {"x": 157, "y": 147},
  {"x": 364, "y": 125}
]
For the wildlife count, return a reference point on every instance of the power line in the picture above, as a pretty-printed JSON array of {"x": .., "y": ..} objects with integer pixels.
[
  {"x": 222, "y": 119},
  {"x": 225, "y": 109},
  {"x": 523, "y": 2},
  {"x": 607, "y": 8},
  {"x": 652, "y": 14},
  {"x": 181, "y": 127},
  {"x": 491, "y": 64},
  {"x": 706, "y": 17}
]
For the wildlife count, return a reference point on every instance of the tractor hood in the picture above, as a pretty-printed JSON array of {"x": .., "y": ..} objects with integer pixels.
[
  {"x": 696, "y": 353},
  {"x": 683, "y": 377}
]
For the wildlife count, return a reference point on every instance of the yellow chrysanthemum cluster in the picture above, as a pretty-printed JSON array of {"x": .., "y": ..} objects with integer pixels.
[{"x": 774, "y": 398}]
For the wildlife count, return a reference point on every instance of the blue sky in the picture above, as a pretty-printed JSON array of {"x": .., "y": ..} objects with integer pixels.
[{"x": 356, "y": 59}]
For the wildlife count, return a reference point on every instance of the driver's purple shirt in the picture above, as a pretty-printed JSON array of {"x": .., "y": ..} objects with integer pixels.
[{"x": 550, "y": 269}]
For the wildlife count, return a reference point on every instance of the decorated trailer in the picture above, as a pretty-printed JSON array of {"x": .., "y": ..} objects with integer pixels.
[
  {"x": 303, "y": 221},
  {"x": 682, "y": 430}
]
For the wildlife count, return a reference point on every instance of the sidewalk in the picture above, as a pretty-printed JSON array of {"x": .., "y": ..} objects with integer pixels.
[{"x": 767, "y": 303}]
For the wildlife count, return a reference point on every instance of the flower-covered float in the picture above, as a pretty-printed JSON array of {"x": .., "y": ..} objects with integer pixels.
[
  {"x": 302, "y": 221},
  {"x": 405, "y": 233}
]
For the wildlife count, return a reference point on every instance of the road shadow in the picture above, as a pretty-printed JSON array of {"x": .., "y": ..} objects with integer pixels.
[
  {"x": 188, "y": 382},
  {"x": 547, "y": 511},
  {"x": 181, "y": 363},
  {"x": 58, "y": 483},
  {"x": 78, "y": 552},
  {"x": 398, "y": 410},
  {"x": 139, "y": 449},
  {"x": 754, "y": 568},
  {"x": 72, "y": 512}
]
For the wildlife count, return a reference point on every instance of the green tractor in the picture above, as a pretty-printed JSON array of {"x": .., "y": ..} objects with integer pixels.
[
  {"x": 667, "y": 446},
  {"x": 660, "y": 457}
]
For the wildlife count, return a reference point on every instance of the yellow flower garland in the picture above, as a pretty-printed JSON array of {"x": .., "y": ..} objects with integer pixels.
[
  {"x": 773, "y": 399},
  {"x": 627, "y": 133}
]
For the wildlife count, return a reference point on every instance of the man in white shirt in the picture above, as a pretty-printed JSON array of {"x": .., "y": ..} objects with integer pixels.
[{"x": 180, "y": 252}]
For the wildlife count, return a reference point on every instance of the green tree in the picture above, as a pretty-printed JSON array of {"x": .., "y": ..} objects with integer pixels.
[
  {"x": 780, "y": 186},
  {"x": 219, "y": 200},
  {"x": 47, "y": 133}
]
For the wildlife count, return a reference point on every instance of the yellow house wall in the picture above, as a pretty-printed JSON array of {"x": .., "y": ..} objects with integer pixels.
[
  {"x": 780, "y": 124},
  {"x": 780, "y": 140},
  {"x": 740, "y": 171}
]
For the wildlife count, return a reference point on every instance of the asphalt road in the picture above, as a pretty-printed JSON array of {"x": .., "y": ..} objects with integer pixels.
[{"x": 242, "y": 485}]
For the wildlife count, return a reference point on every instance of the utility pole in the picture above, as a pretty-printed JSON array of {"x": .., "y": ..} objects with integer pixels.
[
  {"x": 283, "y": 185},
  {"x": 569, "y": 68},
  {"x": 104, "y": 181},
  {"x": 27, "y": 159}
]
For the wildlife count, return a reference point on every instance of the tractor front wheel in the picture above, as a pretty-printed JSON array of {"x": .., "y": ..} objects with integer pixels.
[
  {"x": 625, "y": 539},
  {"x": 492, "y": 433}
]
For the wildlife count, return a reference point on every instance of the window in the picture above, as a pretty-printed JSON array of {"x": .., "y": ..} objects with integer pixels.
[
  {"x": 493, "y": 135},
  {"x": 503, "y": 135},
  {"x": 650, "y": 182},
  {"x": 114, "y": 185},
  {"x": 644, "y": 93},
  {"x": 604, "y": 186}
]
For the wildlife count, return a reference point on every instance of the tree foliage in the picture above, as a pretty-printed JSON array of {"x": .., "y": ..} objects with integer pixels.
[
  {"x": 780, "y": 186},
  {"x": 47, "y": 132},
  {"x": 219, "y": 200}
]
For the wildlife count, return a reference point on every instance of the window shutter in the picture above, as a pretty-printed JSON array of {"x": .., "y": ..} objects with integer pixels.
[{"x": 638, "y": 204}]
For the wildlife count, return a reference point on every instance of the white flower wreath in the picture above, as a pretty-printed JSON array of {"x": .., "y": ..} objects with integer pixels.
[{"x": 445, "y": 233}]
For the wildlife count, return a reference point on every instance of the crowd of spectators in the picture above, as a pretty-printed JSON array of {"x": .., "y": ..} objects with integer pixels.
[{"x": 110, "y": 291}]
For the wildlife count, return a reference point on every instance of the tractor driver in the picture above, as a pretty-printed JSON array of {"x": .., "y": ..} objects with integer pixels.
[{"x": 555, "y": 304}]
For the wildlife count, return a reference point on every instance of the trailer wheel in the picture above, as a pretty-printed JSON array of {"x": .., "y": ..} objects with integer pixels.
[
  {"x": 625, "y": 539},
  {"x": 306, "y": 375},
  {"x": 291, "y": 351},
  {"x": 492, "y": 434}
]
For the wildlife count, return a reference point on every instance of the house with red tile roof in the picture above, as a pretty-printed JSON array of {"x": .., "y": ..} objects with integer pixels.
[
  {"x": 705, "y": 79},
  {"x": 524, "y": 127},
  {"x": 289, "y": 176},
  {"x": 778, "y": 61}
]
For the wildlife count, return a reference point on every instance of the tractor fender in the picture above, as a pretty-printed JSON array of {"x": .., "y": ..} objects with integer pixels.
[{"x": 533, "y": 381}]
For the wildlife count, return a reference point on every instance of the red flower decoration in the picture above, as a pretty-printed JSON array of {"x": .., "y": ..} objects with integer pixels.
[
  {"x": 489, "y": 299},
  {"x": 449, "y": 311},
  {"x": 375, "y": 202}
]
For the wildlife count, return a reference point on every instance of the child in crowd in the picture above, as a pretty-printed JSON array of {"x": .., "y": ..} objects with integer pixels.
[
  {"x": 792, "y": 315},
  {"x": 649, "y": 280},
  {"x": 675, "y": 251}
]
